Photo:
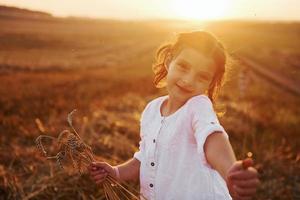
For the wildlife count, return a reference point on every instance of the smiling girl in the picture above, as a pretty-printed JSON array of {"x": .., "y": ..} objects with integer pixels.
[{"x": 184, "y": 151}]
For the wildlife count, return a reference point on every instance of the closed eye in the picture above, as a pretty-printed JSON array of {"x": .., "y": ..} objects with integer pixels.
[
  {"x": 202, "y": 77},
  {"x": 183, "y": 67}
]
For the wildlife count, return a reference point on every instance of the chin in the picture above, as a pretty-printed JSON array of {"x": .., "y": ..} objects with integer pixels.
[{"x": 182, "y": 96}]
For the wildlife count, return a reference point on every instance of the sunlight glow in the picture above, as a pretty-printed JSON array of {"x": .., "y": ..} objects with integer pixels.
[{"x": 200, "y": 9}]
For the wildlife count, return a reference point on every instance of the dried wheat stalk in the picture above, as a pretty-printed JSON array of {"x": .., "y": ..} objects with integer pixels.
[{"x": 72, "y": 147}]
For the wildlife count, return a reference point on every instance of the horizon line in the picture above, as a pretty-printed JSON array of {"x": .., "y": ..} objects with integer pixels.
[{"x": 245, "y": 19}]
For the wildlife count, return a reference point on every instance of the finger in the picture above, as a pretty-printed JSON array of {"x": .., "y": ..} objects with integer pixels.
[
  {"x": 237, "y": 166},
  {"x": 102, "y": 165},
  {"x": 98, "y": 170},
  {"x": 248, "y": 162},
  {"x": 242, "y": 176},
  {"x": 243, "y": 192},
  {"x": 250, "y": 173},
  {"x": 94, "y": 173},
  {"x": 242, "y": 164},
  {"x": 246, "y": 183},
  {"x": 237, "y": 197},
  {"x": 92, "y": 169},
  {"x": 94, "y": 165},
  {"x": 99, "y": 177},
  {"x": 99, "y": 164}
]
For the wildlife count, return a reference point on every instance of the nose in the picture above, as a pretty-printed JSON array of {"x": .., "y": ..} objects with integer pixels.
[
  {"x": 187, "y": 83},
  {"x": 187, "y": 80}
]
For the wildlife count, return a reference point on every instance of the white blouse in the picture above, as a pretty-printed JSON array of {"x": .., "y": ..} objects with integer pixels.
[{"x": 173, "y": 164}]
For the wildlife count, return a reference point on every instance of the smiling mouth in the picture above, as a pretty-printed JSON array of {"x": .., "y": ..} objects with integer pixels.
[{"x": 183, "y": 89}]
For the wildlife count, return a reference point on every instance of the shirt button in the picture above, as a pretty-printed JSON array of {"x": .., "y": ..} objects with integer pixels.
[
  {"x": 152, "y": 164},
  {"x": 153, "y": 140},
  {"x": 151, "y": 185}
]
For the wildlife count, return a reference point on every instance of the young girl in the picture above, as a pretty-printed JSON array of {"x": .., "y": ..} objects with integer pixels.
[{"x": 184, "y": 152}]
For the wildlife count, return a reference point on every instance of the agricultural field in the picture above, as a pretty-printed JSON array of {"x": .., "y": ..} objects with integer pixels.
[{"x": 102, "y": 68}]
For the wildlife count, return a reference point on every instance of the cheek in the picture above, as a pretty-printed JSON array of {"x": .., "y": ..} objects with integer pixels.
[
  {"x": 172, "y": 77},
  {"x": 202, "y": 87},
  {"x": 171, "y": 81}
]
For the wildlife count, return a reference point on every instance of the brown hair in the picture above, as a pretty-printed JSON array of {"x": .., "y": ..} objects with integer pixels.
[{"x": 202, "y": 41}]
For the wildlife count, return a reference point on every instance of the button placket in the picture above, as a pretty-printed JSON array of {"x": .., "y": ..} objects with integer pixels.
[
  {"x": 153, "y": 147},
  {"x": 152, "y": 166}
]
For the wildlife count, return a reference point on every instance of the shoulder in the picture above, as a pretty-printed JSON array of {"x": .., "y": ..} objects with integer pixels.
[
  {"x": 200, "y": 102},
  {"x": 153, "y": 103},
  {"x": 201, "y": 107},
  {"x": 151, "y": 106}
]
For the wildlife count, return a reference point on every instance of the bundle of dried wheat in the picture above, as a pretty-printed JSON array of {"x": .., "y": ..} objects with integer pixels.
[{"x": 72, "y": 148}]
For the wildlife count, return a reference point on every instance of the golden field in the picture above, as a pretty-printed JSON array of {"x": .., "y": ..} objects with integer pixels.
[{"x": 102, "y": 68}]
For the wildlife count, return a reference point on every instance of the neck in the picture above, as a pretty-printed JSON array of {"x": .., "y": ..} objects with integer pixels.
[{"x": 171, "y": 105}]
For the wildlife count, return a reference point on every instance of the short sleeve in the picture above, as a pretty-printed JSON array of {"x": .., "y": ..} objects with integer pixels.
[
  {"x": 204, "y": 121},
  {"x": 140, "y": 154}
]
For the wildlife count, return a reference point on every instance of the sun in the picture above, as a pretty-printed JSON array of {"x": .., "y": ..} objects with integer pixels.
[{"x": 200, "y": 9}]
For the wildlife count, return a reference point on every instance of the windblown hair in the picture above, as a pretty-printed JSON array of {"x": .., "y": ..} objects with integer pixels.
[{"x": 202, "y": 41}]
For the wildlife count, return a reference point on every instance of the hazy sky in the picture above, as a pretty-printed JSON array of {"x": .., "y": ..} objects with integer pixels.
[{"x": 184, "y": 9}]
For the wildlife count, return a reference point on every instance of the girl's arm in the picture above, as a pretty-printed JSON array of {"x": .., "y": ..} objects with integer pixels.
[
  {"x": 130, "y": 170},
  {"x": 241, "y": 182},
  {"x": 219, "y": 153}
]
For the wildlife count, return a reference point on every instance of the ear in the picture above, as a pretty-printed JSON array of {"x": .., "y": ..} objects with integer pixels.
[{"x": 167, "y": 61}]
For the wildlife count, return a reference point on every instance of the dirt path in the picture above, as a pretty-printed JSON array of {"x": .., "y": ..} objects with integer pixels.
[{"x": 273, "y": 77}]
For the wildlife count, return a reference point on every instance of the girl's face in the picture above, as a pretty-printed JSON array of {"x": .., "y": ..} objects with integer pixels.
[{"x": 189, "y": 74}]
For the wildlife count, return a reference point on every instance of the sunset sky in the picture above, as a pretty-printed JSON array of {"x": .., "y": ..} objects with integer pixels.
[{"x": 177, "y": 9}]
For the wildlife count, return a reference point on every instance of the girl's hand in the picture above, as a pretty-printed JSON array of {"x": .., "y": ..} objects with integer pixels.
[
  {"x": 242, "y": 180},
  {"x": 99, "y": 170}
]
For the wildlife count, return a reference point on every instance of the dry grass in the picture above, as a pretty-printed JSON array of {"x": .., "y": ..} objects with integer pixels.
[
  {"x": 108, "y": 78},
  {"x": 72, "y": 148}
]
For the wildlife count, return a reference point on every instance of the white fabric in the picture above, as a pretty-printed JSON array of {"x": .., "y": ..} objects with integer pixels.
[{"x": 175, "y": 164}]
